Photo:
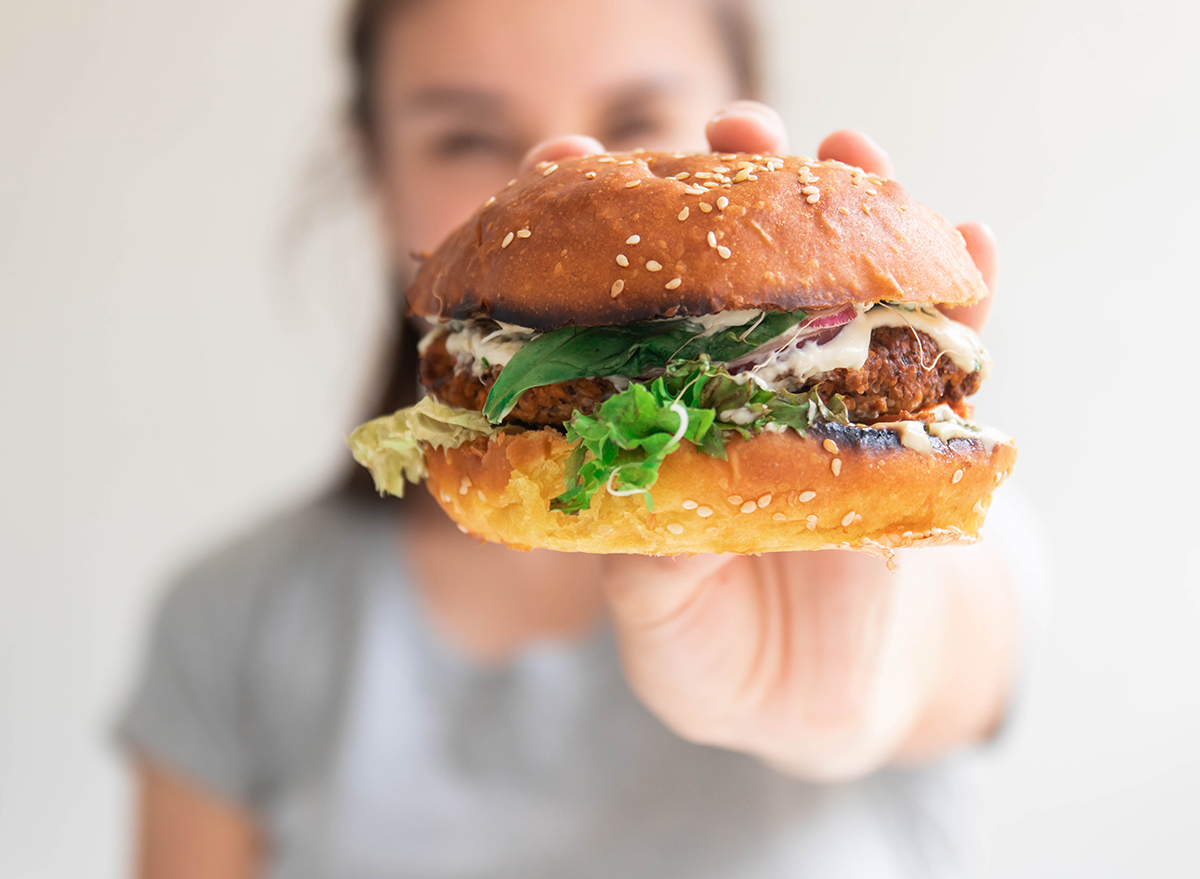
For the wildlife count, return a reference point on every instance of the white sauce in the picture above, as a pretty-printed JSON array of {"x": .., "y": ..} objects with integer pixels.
[
  {"x": 714, "y": 323},
  {"x": 947, "y": 425},
  {"x": 912, "y": 435},
  {"x": 473, "y": 342},
  {"x": 743, "y": 415},
  {"x": 849, "y": 348}
]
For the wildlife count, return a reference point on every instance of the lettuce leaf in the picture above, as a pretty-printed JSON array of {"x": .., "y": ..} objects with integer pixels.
[
  {"x": 390, "y": 447},
  {"x": 631, "y": 350},
  {"x": 621, "y": 447}
]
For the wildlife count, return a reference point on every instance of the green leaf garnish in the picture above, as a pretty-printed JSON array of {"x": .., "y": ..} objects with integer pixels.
[{"x": 621, "y": 446}]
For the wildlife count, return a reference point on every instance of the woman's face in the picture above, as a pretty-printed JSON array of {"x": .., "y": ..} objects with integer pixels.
[{"x": 465, "y": 87}]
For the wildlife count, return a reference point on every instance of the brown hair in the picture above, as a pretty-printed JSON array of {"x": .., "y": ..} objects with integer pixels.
[{"x": 368, "y": 19}]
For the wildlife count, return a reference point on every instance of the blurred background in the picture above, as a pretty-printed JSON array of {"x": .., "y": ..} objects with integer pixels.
[{"x": 190, "y": 302}]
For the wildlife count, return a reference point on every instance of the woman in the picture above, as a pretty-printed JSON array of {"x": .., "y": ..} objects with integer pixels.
[{"x": 359, "y": 690}]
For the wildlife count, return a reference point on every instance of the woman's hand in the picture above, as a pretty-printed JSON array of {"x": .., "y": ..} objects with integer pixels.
[{"x": 823, "y": 663}]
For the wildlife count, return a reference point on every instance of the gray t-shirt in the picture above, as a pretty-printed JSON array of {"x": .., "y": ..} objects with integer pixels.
[{"x": 295, "y": 673}]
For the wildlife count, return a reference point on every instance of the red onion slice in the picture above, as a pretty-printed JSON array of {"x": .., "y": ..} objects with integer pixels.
[{"x": 819, "y": 328}]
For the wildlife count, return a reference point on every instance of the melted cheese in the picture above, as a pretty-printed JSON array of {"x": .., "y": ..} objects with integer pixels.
[{"x": 798, "y": 364}]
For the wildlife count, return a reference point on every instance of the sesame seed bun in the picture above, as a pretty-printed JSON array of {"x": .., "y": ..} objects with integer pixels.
[
  {"x": 614, "y": 239},
  {"x": 834, "y": 488}
]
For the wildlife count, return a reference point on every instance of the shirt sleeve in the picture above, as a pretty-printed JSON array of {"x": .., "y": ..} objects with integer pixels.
[{"x": 186, "y": 712}]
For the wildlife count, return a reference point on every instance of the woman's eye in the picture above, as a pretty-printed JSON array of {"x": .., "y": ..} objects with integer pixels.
[
  {"x": 632, "y": 131},
  {"x": 468, "y": 144}
]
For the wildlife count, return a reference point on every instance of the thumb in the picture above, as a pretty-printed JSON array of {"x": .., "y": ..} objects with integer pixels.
[{"x": 645, "y": 593}]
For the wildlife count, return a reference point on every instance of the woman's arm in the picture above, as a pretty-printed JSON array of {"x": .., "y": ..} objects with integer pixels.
[{"x": 187, "y": 833}]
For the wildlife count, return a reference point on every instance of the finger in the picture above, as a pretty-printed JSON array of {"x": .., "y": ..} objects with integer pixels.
[
  {"x": 747, "y": 127},
  {"x": 645, "y": 592},
  {"x": 567, "y": 146},
  {"x": 855, "y": 148},
  {"x": 981, "y": 244}
]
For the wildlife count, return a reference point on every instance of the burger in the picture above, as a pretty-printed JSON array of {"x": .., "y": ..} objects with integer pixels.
[{"x": 662, "y": 353}]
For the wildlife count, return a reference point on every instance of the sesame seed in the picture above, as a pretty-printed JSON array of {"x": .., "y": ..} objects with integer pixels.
[
  {"x": 606, "y": 159},
  {"x": 779, "y": 517},
  {"x": 735, "y": 499},
  {"x": 844, "y": 210},
  {"x": 765, "y": 500},
  {"x": 999, "y": 476},
  {"x": 633, "y": 183},
  {"x": 712, "y": 239},
  {"x": 724, "y": 251},
  {"x": 847, "y": 519},
  {"x": 550, "y": 170},
  {"x": 462, "y": 528},
  {"x": 674, "y": 283},
  {"x": 590, "y": 175},
  {"x": 814, "y": 198},
  {"x": 510, "y": 183},
  {"x": 811, "y": 522},
  {"x": 689, "y": 505},
  {"x": 749, "y": 507},
  {"x": 741, "y": 175},
  {"x": 806, "y": 496},
  {"x": 872, "y": 192},
  {"x": 836, "y": 466},
  {"x": 617, "y": 287},
  {"x": 752, "y": 177},
  {"x": 706, "y": 207},
  {"x": 682, "y": 175},
  {"x": 622, "y": 260},
  {"x": 866, "y": 210},
  {"x": 830, "y": 446},
  {"x": 978, "y": 508},
  {"x": 722, "y": 203},
  {"x": 482, "y": 496},
  {"x": 653, "y": 266},
  {"x": 704, "y": 512},
  {"x": 809, "y": 190},
  {"x": 695, "y": 190},
  {"x": 523, "y": 233},
  {"x": 491, "y": 201},
  {"x": 633, "y": 239},
  {"x": 683, "y": 214},
  {"x": 958, "y": 475},
  {"x": 508, "y": 239},
  {"x": 675, "y": 528},
  {"x": 445, "y": 497},
  {"x": 728, "y": 157},
  {"x": 712, "y": 184},
  {"x": 626, "y": 162},
  {"x": 703, "y": 175}
]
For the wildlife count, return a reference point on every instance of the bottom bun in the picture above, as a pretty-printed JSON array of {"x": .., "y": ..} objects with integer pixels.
[{"x": 843, "y": 487}]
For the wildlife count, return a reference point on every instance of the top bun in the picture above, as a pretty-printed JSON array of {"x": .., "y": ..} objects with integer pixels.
[{"x": 613, "y": 239}]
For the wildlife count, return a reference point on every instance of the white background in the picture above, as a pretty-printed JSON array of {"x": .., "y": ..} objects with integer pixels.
[{"x": 173, "y": 366}]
